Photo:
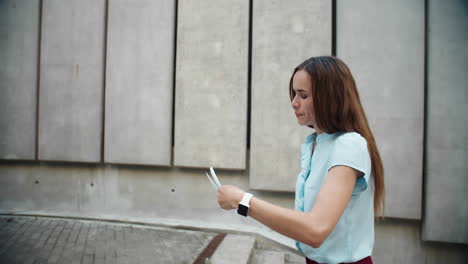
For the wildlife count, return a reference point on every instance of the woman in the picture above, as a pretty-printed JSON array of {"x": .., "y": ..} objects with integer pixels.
[{"x": 341, "y": 183}]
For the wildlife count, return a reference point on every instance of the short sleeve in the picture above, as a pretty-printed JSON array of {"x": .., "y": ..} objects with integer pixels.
[{"x": 350, "y": 149}]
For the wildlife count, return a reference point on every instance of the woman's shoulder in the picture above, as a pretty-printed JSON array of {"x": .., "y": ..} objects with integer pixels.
[
  {"x": 351, "y": 149},
  {"x": 350, "y": 139}
]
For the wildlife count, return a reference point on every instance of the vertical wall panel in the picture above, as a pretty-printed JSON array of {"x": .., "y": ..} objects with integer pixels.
[
  {"x": 211, "y": 84},
  {"x": 140, "y": 50},
  {"x": 71, "y": 80},
  {"x": 383, "y": 44},
  {"x": 284, "y": 35},
  {"x": 446, "y": 210},
  {"x": 19, "y": 40}
]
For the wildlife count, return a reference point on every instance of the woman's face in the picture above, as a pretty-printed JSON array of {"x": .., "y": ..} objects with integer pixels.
[{"x": 302, "y": 103}]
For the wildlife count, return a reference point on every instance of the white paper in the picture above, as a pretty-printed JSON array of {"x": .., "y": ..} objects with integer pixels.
[{"x": 213, "y": 179}]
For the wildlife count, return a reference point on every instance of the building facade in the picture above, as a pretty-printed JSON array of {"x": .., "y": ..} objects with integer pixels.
[{"x": 115, "y": 109}]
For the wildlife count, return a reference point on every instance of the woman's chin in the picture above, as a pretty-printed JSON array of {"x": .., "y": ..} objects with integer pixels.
[{"x": 305, "y": 124}]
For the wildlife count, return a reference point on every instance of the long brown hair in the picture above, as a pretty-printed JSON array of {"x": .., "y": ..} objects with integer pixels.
[{"x": 338, "y": 108}]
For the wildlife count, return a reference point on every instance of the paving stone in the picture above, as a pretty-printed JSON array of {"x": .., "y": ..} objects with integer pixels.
[
  {"x": 294, "y": 259},
  {"x": 234, "y": 249},
  {"x": 49, "y": 240},
  {"x": 267, "y": 256}
]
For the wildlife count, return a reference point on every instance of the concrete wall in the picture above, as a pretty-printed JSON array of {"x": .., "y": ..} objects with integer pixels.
[
  {"x": 211, "y": 84},
  {"x": 283, "y": 35},
  {"x": 71, "y": 80},
  {"x": 386, "y": 57},
  {"x": 139, "y": 78},
  {"x": 446, "y": 188},
  {"x": 19, "y": 31},
  {"x": 109, "y": 94},
  {"x": 399, "y": 241}
]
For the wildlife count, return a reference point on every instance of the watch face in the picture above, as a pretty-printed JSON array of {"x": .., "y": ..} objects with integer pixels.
[{"x": 242, "y": 210}]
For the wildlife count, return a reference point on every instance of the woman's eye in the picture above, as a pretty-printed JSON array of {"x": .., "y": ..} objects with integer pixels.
[{"x": 303, "y": 96}]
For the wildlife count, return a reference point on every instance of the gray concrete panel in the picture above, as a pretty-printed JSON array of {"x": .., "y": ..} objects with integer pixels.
[
  {"x": 19, "y": 43},
  {"x": 71, "y": 80},
  {"x": 446, "y": 188},
  {"x": 386, "y": 56},
  {"x": 140, "y": 50},
  {"x": 211, "y": 84},
  {"x": 283, "y": 36},
  {"x": 399, "y": 241}
]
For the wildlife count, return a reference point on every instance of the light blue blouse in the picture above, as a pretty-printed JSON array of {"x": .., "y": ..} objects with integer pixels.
[{"x": 352, "y": 238}]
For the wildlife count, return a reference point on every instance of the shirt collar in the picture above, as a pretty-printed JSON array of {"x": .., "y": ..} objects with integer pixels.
[
  {"x": 311, "y": 138},
  {"x": 324, "y": 137},
  {"x": 320, "y": 138}
]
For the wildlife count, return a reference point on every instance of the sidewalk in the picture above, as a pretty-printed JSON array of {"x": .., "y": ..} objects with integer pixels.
[{"x": 25, "y": 239}]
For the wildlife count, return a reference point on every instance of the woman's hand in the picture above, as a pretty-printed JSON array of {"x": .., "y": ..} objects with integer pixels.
[{"x": 229, "y": 197}]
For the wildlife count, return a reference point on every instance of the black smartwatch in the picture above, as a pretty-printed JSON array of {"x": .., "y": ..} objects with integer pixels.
[{"x": 243, "y": 207}]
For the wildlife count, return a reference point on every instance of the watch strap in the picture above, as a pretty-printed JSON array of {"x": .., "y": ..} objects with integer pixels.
[{"x": 246, "y": 199}]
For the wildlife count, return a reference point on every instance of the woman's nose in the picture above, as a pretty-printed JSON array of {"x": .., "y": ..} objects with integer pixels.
[{"x": 294, "y": 103}]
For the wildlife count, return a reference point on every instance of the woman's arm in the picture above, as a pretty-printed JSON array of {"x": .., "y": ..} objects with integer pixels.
[{"x": 312, "y": 227}]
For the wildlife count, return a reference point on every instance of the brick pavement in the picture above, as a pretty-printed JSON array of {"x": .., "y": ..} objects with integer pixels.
[{"x": 55, "y": 240}]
